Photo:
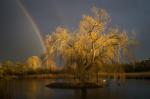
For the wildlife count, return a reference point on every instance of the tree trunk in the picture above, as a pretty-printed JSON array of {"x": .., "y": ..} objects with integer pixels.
[{"x": 97, "y": 77}]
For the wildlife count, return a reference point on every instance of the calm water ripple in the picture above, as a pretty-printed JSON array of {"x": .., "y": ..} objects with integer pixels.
[{"x": 35, "y": 89}]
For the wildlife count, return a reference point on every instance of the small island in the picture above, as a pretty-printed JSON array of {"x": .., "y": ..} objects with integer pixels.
[{"x": 76, "y": 85}]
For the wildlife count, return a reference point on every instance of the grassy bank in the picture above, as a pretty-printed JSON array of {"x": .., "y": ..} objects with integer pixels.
[
  {"x": 140, "y": 75},
  {"x": 132, "y": 75}
]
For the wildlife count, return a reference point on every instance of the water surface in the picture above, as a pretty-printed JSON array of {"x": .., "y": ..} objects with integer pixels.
[{"x": 35, "y": 89}]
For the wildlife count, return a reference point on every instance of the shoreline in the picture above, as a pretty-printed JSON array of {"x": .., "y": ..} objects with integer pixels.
[{"x": 139, "y": 75}]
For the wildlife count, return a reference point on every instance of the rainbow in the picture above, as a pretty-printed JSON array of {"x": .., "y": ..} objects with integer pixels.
[{"x": 35, "y": 28}]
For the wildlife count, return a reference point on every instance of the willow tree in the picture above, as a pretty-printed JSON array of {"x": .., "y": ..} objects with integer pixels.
[{"x": 92, "y": 47}]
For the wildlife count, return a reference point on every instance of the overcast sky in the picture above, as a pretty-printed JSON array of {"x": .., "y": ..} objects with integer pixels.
[{"x": 18, "y": 40}]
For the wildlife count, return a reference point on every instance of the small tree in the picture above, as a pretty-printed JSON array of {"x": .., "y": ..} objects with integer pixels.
[
  {"x": 34, "y": 62},
  {"x": 92, "y": 47}
]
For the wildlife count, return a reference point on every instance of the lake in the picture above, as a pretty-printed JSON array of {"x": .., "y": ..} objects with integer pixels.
[{"x": 35, "y": 89}]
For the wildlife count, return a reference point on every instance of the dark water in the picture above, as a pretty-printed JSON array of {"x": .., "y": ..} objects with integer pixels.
[{"x": 35, "y": 89}]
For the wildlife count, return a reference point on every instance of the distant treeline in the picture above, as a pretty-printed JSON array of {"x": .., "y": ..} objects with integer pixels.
[
  {"x": 20, "y": 68},
  {"x": 141, "y": 66}
]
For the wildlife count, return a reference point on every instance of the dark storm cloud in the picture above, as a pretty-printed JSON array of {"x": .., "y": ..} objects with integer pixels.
[
  {"x": 129, "y": 15},
  {"x": 17, "y": 38},
  {"x": 44, "y": 13}
]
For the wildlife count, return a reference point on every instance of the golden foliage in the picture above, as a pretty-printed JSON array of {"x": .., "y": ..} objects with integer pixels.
[
  {"x": 34, "y": 62},
  {"x": 93, "y": 44}
]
